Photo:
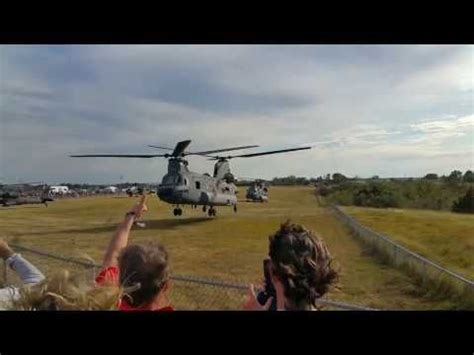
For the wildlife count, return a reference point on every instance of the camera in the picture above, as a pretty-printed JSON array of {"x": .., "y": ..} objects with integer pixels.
[{"x": 269, "y": 290}]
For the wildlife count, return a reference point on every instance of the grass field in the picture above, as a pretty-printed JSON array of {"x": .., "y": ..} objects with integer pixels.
[
  {"x": 444, "y": 237},
  {"x": 230, "y": 247}
]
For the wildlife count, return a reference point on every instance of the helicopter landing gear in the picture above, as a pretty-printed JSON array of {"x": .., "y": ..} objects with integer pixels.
[
  {"x": 211, "y": 212},
  {"x": 235, "y": 208},
  {"x": 177, "y": 211}
]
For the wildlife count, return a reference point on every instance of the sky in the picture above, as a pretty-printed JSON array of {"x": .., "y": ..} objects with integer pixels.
[{"x": 367, "y": 110}]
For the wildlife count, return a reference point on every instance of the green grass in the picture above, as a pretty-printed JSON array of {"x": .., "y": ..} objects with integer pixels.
[
  {"x": 444, "y": 237},
  {"x": 230, "y": 247}
]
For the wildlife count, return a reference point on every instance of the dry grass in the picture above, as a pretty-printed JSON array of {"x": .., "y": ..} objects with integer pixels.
[
  {"x": 444, "y": 237},
  {"x": 230, "y": 247}
]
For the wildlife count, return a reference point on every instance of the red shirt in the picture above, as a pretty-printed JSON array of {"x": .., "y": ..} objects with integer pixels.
[{"x": 111, "y": 274}]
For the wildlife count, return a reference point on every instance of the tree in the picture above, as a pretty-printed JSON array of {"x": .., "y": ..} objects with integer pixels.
[
  {"x": 431, "y": 176},
  {"x": 468, "y": 176},
  {"x": 338, "y": 178},
  {"x": 455, "y": 176},
  {"x": 465, "y": 204},
  {"x": 377, "y": 195}
]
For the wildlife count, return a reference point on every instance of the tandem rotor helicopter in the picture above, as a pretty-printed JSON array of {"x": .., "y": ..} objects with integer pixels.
[
  {"x": 180, "y": 186},
  {"x": 257, "y": 192},
  {"x": 12, "y": 195}
]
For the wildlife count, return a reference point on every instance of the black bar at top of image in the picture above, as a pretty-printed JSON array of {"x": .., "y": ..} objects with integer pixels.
[{"x": 278, "y": 36}]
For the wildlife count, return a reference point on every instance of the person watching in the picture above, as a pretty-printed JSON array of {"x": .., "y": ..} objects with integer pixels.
[
  {"x": 143, "y": 270},
  {"x": 300, "y": 271},
  {"x": 27, "y": 272}
]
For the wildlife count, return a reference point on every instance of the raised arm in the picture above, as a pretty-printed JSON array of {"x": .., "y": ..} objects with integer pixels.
[
  {"x": 27, "y": 272},
  {"x": 120, "y": 238}
]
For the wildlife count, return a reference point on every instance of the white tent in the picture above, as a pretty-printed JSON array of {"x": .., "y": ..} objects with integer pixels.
[{"x": 59, "y": 189}]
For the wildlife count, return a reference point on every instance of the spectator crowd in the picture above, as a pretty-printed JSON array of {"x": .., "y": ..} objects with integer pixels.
[{"x": 136, "y": 277}]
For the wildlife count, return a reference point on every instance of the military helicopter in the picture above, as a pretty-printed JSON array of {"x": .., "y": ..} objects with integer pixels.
[
  {"x": 8, "y": 197},
  {"x": 180, "y": 186},
  {"x": 257, "y": 192}
]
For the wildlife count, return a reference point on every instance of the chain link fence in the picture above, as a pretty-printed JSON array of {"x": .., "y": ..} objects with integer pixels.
[
  {"x": 438, "y": 280},
  {"x": 187, "y": 292}
]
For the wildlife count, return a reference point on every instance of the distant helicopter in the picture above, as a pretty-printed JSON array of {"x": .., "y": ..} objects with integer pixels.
[
  {"x": 180, "y": 186},
  {"x": 9, "y": 197},
  {"x": 257, "y": 192}
]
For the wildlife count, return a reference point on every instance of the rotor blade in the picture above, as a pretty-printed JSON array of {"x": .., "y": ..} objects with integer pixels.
[
  {"x": 118, "y": 156},
  {"x": 180, "y": 147},
  {"x": 158, "y": 147},
  {"x": 221, "y": 150},
  {"x": 263, "y": 153}
]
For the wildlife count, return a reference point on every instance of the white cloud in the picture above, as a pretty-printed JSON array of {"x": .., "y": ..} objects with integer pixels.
[
  {"x": 363, "y": 106},
  {"x": 451, "y": 124}
]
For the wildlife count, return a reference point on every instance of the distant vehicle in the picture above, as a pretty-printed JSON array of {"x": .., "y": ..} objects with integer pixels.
[
  {"x": 134, "y": 191},
  {"x": 180, "y": 186},
  {"x": 111, "y": 189},
  {"x": 13, "y": 194},
  {"x": 257, "y": 192}
]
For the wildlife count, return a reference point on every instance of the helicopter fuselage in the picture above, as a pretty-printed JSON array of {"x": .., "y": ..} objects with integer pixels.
[{"x": 180, "y": 186}]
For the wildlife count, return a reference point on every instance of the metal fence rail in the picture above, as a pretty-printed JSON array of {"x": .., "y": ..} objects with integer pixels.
[
  {"x": 188, "y": 292},
  {"x": 401, "y": 256}
]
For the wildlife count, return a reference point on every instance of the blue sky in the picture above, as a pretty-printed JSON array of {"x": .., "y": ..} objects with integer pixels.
[{"x": 385, "y": 110}]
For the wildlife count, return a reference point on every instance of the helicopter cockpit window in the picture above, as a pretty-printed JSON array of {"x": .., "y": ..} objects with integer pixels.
[
  {"x": 198, "y": 184},
  {"x": 171, "y": 179}
]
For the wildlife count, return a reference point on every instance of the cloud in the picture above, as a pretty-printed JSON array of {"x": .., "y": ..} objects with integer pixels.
[
  {"x": 451, "y": 124},
  {"x": 364, "y": 106}
]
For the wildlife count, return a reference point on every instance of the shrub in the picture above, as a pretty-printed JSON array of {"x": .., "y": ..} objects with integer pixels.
[{"x": 465, "y": 204}]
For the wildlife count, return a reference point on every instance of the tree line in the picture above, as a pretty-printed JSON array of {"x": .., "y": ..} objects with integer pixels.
[{"x": 453, "y": 192}]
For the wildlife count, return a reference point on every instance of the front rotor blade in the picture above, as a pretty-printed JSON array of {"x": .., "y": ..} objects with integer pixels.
[
  {"x": 158, "y": 147},
  {"x": 270, "y": 152},
  {"x": 221, "y": 150},
  {"x": 118, "y": 156},
  {"x": 180, "y": 147},
  {"x": 262, "y": 153}
]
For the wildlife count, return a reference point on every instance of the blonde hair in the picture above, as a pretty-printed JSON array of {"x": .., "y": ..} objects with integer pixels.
[{"x": 63, "y": 291}]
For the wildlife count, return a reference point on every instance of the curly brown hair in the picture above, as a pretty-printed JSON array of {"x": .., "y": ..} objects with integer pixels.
[{"x": 302, "y": 262}]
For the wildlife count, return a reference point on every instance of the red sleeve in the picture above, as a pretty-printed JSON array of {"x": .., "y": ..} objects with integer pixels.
[{"x": 108, "y": 275}]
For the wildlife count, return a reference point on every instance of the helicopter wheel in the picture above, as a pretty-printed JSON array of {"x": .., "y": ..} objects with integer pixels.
[
  {"x": 180, "y": 211},
  {"x": 235, "y": 208},
  {"x": 211, "y": 212},
  {"x": 204, "y": 208}
]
